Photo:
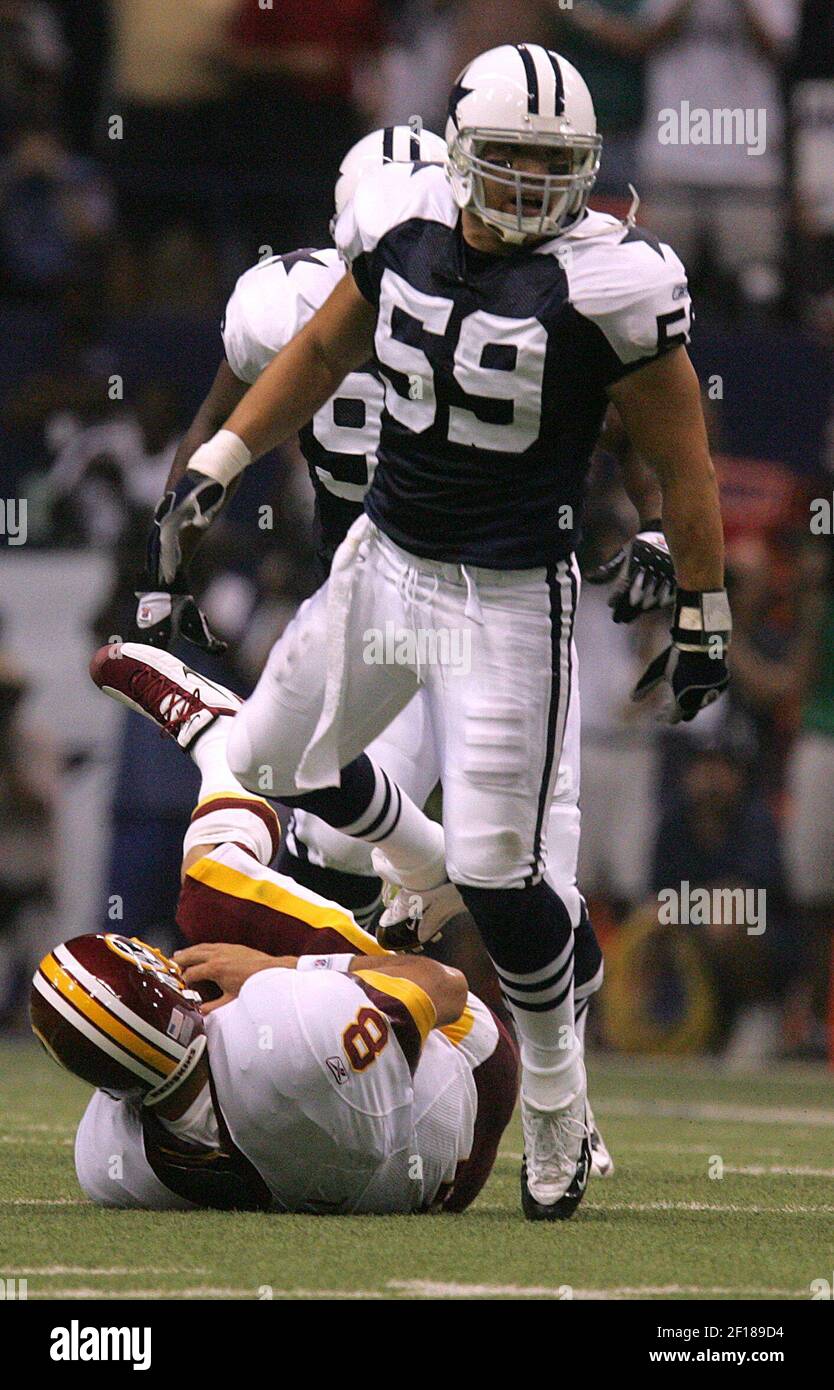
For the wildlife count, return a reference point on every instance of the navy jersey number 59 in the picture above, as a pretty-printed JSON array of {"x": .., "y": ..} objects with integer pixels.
[{"x": 484, "y": 340}]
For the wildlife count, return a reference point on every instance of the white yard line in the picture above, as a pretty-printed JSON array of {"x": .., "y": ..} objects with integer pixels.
[
  {"x": 425, "y": 1288},
  {"x": 44, "y": 1202},
  {"x": 207, "y": 1291},
  {"x": 725, "y": 1112},
  {"x": 14, "y": 1122},
  {"x": 779, "y": 1170},
  {"x": 688, "y": 1291},
  {"x": 43, "y": 1141},
  {"x": 430, "y": 1288},
  {"x": 52, "y": 1271},
  {"x": 789, "y": 1208},
  {"x": 728, "y": 1208}
]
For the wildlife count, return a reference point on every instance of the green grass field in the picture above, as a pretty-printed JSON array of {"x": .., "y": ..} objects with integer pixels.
[{"x": 660, "y": 1228}]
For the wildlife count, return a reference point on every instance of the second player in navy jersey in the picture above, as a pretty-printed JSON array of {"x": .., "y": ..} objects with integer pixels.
[{"x": 270, "y": 304}]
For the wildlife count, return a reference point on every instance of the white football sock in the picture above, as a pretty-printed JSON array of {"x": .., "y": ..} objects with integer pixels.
[
  {"x": 226, "y": 811},
  {"x": 414, "y": 844},
  {"x": 552, "y": 1073},
  {"x": 581, "y": 1003},
  {"x": 209, "y": 753}
]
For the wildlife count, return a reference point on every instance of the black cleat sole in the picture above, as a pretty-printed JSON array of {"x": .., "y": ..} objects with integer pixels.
[{"x": 565, "y": 1207}]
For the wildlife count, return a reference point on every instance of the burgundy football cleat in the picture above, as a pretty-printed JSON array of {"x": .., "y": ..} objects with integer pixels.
[{"x": 158, "y": 685}]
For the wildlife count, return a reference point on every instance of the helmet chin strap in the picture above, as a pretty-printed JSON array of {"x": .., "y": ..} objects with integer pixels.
[
  {"x": 515, "y": 235},
  {"x": 635, "y": 203},
  {"x": 181, "y": 1072}
]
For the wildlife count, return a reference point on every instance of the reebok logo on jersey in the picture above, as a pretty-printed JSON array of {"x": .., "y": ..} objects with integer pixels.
[
  {"x": 337, "y": 1070},
  {"x": 77, "y": 1343}
]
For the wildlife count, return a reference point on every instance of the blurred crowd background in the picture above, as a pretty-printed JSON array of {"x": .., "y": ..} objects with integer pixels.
[{"x": 149, "y": 152}]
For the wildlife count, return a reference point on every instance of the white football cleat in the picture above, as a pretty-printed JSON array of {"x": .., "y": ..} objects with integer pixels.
[
  {"x": 557, "y": 1160},
  {"x": 412, "y": 919},
  {"x": 602, "y": 1164},
  {"x": 180, "y": 701}
]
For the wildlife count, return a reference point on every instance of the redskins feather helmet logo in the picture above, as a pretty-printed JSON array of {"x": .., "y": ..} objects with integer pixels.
[{"x": 116, "y": 1013}]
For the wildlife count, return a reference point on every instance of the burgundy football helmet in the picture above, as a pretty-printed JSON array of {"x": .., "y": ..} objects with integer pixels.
[{"x": 117, "y": 1013}]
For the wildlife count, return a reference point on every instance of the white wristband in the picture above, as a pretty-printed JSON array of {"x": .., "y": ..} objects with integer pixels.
[
  {"x": 655, "y": 538},
  {"x": 222, "y": 457},
  {"x": 342, "y": 963}
]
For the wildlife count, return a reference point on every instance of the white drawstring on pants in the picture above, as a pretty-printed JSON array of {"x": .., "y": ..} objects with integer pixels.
[
  {"x": 408, "y": 586},
  {"x": 472, "y": 607}
]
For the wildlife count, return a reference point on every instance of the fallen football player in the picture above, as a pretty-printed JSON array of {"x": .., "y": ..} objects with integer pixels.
[{"x": 329, "y": 1076}]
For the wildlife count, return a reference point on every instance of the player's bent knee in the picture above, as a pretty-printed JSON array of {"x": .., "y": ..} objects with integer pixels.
[
  {"x": 487, "y": 859},
  {"x": 566, "y": 889},
  {"x": 240, "y": 754},
  {"x": 254, "y": 763}
]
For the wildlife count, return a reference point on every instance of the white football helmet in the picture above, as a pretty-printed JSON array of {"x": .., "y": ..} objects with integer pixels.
[
  {"x": 394, "y": 144},
  {"x": 523, "y": 94}
]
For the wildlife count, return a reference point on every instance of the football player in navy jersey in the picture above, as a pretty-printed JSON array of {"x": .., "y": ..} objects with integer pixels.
[
  {"x": 269, "y": 304},
  {"x": 504, "y": 317}
]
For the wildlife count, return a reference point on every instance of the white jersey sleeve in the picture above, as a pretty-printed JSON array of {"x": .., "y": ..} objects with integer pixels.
[
  {"x": 271, "y": 302},
  {"x": 632, "y": 287},
  {"x": 110, "y": 1160},
  {"x": 385, "y": 200}
]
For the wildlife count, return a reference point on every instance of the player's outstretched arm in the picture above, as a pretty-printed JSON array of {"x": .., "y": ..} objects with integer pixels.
[
  {"x": 295, "y": 384},
  {"x": 446, "y": 987},
  {"x": 660, "y": 405},
  {"x": 224, "y": 394},
  {"x": 230, "y": 966}
]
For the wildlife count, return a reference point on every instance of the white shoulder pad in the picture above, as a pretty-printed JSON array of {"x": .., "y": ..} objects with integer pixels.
[
  {"x": 271, "y": 302},
  {"x": 388, "y": 197},
  {"x": 632, "y": 286}
]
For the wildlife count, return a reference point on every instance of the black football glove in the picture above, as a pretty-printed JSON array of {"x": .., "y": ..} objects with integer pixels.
[
  {"x": 693, "y": 665},
  {"x": 162, "y": 615},
  {"x": 166, "y": 610},
  {"x": 644, "y": 573},
  {"x": 193, "y": 502}
]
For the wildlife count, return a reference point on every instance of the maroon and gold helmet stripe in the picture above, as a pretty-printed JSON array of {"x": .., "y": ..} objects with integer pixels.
[{"x": 102, "y": 1025}]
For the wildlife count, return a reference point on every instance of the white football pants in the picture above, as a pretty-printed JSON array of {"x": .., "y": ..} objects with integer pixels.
[{"x": 492, "y": 651}]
